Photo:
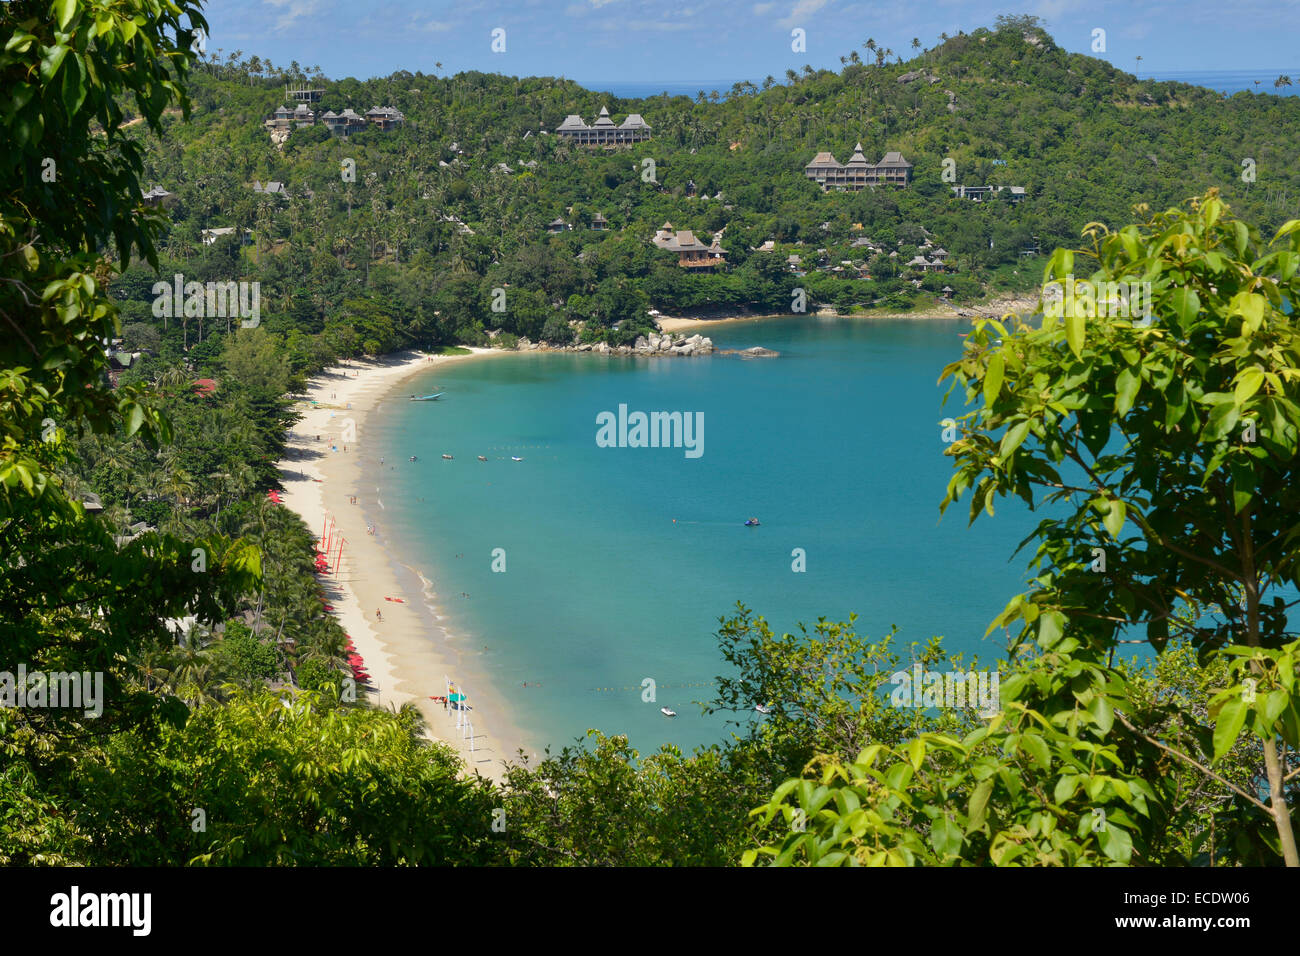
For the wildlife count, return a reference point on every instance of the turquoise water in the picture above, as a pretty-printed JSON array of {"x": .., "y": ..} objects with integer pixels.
[{"x": 835, "y": 446}]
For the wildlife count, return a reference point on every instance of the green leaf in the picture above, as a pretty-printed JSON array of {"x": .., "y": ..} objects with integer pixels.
[
  {"x": 51, "y": 61},
  {"x": 1013, "y": 439},
  {"x": 1051, "y": 624},
  {"x": 1074, "y": 332},
  {"x": 1036, "y": 747},
  {"x": 1114, "y": 518},
  {"x": 979, "y": 801},
  {"x": 74, "y": 86},
  {"x": 1221, "y": 420},
  {"x": 993, "y": 378},
  {"x": 1101, "y": 711},
  {"x": 1115, "y": 843},
  {"x": 1127, "y": 384},
  {"x": 134, "y": 418},
  {"x": 1248, "y": 383},
  {"x": 1186, "y": 303},
  {"x": 945, "y": 837},
  {"x": 916, "y": 752},
  {"x": 1231, "y": 718},
  {"x": 64, "y": 10},
  {"x": 1250, "y": 306}
]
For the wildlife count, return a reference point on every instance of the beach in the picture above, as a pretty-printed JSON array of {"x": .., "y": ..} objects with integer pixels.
[
  {"x": 993, "y": 309},
  {"x": 324, "y": 471}
]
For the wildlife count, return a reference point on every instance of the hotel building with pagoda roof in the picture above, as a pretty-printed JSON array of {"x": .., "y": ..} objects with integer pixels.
[
  {"x": 603, "y": 132},
  {"x": 827, "y": 171}
]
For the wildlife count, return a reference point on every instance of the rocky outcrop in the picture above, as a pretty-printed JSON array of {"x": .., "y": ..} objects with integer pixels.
[
  {"x": 656, "y": 343},
  {"x": 756, "y": 352}
]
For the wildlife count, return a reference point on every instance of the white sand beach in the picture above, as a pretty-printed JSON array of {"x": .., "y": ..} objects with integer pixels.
[{"x": 406, "y": 653}]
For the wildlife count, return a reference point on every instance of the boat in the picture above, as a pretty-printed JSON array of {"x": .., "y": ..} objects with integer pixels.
[
  {"x": 513, "y": 458},
  {"x": 482, "y": 458},
  {"x": 448, "y": 457},
  {"x": 427, "y": 398},
  {"x": 751, "y": 523},
  {"x": 667, "y": 713},
  {"x": 763, "y": 708}
]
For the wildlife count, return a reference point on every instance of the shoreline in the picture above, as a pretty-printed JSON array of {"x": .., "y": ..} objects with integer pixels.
[
  {"x": 407, "y": 654},
  {"x": 993, "y": 309}
]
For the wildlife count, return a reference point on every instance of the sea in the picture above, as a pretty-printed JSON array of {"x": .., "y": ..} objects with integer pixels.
[
  {"x": 1224, "y": 81},
  {"x": 585, "y": 584}
]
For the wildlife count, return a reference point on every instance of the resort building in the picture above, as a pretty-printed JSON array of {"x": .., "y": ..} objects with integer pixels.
[
  {"x": 209, "y": 236},
  {"x": 284, "y": 120},
  {"x": 599, "y": 222},
  {"x": 273, "y": 188},
  {"x": 302, "y": 94},
  {"x": 925, "y": 265},
  {"x": 157, "y": 196},
  {"x": 557, "y": 226},
  {"x": 985, "y": 193},
  {"x": 603, "y": 132},
  {"x": 857, "y": 173},
  {"x": 691, "y": 253},
  {"x": 385, "y": 117},
  {"x": 341, "y": 124}
]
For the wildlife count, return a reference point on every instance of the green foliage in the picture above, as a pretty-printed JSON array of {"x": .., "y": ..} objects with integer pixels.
[
  {"x": 297, "y": 781},
  {"x": 246, "y": 656},
  {"x": 1166, "y": 451}
]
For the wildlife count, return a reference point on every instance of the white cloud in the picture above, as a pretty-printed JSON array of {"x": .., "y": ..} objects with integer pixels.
[
  {"x": 296, "y": 10},
  {"x": 803, "y": 9}
]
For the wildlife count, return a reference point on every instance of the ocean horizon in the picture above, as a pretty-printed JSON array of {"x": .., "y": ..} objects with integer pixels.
[{"x": 1224, "y": 81}]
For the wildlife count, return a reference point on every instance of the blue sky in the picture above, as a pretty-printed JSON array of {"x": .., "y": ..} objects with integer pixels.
[{"x": 727, "y": 40}]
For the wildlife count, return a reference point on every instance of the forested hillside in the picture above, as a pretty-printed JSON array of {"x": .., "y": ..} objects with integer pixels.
[{"x": 388, "y": 239}]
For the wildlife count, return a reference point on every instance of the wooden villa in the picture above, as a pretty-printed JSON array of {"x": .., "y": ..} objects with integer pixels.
[
  {"x": 858, "y": 173},
  {"x": 691, "y": 253},
  {"x": 603, "y": 132}
]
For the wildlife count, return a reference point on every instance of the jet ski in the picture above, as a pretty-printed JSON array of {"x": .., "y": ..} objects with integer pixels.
[
  {"x": 751, "y": 523},
  {"x": 667, "y": 713}
]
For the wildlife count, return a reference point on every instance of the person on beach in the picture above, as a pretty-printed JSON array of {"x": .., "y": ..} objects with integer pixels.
[{"x": 379, "y": 615}]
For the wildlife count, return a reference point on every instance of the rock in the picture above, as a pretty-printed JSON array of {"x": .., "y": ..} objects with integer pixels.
[
  {"x": 640, "y": 343},
  {"x": 584, "y": 347},
  {"x": 695, "y": 339},
  {"x": 913, "y": 75},
  {"x": 602, "y": 348}
]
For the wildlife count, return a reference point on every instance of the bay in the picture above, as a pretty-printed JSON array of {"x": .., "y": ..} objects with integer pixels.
[{"x": 619, "y": 561}]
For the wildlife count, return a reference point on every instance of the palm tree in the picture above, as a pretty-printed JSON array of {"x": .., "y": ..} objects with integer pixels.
[
  {"x": 1281, "y": 81},
  {"x": 1138, "y": 67}
]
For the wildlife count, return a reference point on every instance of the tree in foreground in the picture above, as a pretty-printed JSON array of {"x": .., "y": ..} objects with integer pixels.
[{"x": 1164, "y": 451}]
